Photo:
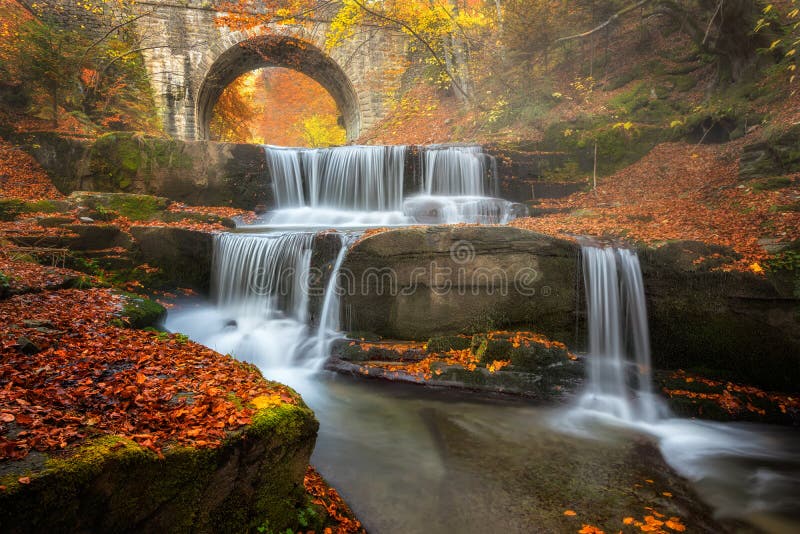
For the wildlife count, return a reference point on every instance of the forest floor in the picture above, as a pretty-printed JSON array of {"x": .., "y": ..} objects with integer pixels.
[{"x": 682, "y": 191}]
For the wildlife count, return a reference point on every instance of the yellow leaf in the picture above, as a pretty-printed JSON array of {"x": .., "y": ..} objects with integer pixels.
[{"x": 266, "y": 401}]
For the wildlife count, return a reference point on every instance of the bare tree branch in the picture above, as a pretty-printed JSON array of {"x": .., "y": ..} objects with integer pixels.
[{"x": 608, "y": 22}]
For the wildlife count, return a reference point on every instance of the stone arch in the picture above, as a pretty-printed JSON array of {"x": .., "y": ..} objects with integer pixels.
[{"x": 274, "y": 50}]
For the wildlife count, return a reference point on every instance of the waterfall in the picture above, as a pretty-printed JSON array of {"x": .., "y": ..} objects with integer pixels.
[
  {"x": 330, "y": 316},
  {"x": 351, "y": 177},
  {"x": 263, "y": 275},
  {"x": 364, "y": 186},
  {"x": 619, "y": 381},
  {"x": 264, "y": 288},
  {"x": 456, "y": 171}
]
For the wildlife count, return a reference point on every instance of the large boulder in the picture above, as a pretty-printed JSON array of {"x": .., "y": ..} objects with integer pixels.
[
  {"x": 183, "y": 255},
  {"x": 415, "y": 283},
  {"x": 112, "y": 484}
]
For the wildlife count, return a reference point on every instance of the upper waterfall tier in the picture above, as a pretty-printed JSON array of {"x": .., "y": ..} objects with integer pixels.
[
  {"x": 367, "y": 178},
  {"x": 364, "y": 186}
]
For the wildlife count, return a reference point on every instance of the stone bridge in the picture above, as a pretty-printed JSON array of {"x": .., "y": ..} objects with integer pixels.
[{"x": 191, "y": 59}]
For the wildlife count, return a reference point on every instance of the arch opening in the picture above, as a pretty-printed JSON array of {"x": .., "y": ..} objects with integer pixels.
[
  {"x": 277, "y": 51},
  {"x": 277, "y": 106}
]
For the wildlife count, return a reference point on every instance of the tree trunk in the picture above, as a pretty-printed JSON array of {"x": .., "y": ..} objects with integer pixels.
[{"x": 54, "y": 94}]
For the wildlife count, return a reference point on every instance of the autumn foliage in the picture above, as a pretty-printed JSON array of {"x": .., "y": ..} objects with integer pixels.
[
  {"x": 277, "y": 106},
  {"x": 91, "y": 376},
  {"x": 21, "y": 177},
  {"x": 679, "y": 191}
]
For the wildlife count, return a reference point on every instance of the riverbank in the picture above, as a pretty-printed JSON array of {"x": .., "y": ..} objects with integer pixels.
[{"x": 98, "y": 414}]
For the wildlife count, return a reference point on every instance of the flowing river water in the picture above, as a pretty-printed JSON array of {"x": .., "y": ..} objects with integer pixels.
[{"x": 413, "y": 459}]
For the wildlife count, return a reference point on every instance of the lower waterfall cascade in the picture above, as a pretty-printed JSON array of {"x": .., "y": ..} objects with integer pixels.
[{"x": 735, "y": 463}]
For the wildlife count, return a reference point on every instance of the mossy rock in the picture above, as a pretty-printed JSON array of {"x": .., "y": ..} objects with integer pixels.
[
  {"x": 111, "y": 484},
  {"x": 133, "y": 206},
  {"x": 534, "y": 356},
  {"x": 141, "y": 312},
  {"x": 448, "y": 343},
  {"x": 773, "y": 183},
  {"x": 115, "y": 161},
  {"x": 497, "y": 349},
  {"x": 183, "y": 255},
  {"x": 11, "y": 208}
]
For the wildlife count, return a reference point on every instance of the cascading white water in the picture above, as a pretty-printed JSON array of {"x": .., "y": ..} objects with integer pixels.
[
  {"x": 363, "y": 186},
  {"x": 744, "y": 471},
  {"x": 261, "y": 286},
  {"x": 330, "y": 316},
  {"x": 456, "y": 171},
  {"x": 619, "y": 378},
  {"x": 263, "y": 275},
  {"x": 357, "y": 178}
]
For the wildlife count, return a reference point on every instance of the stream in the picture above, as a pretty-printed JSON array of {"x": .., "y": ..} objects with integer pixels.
[{"x": 412, "y": 459}]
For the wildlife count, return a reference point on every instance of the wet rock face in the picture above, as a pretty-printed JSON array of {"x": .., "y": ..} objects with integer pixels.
[
  {"x": 184, "y": 255},
  {"x": 731, "y": 325},
  {"x": 415, "y": 283}
]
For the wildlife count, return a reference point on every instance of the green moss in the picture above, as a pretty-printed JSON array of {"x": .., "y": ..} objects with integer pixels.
[
  {"x": 10, "y": 209},
  {"x": 111, "y": 484},
  {"x": 115, "y": 161},
  {"x": 534, "y": 357},
  {"x": 448, "y": 343},
  {"x": 141, "y": 312},
  {"x": 625, "y": 78},
  {"x": 619, "y": 144},
  {"x": 771, "y": 184},
  {"x": 497, "y": 349},
  {"x": 42, "y": 206},
  {"x": 138, "y": 207},
  {"x": 683, "y": 82},
  {"x": 631, "y": 100},
  {"x": 723, "y": 345}
]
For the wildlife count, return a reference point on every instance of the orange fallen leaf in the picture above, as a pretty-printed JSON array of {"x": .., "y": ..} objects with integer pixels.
[
  {"x": 569, "y": 512},
  {"x": 674, "y": 523},
  {"x": 24, "y": 480}
]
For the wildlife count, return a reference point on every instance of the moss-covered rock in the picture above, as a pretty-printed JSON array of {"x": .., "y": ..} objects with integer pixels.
[
  {"x": 448, "y": 343},
  {"x": 134, "y": 207},
  {"x": 111, "y": 484},
  {"x": 141, "y": 312},
  {"x": 197, "y": 173},
  {"x": 10, "y": 208},
  {"x": 729, "y": 325},
  {"x": 97, "y": 237}
]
